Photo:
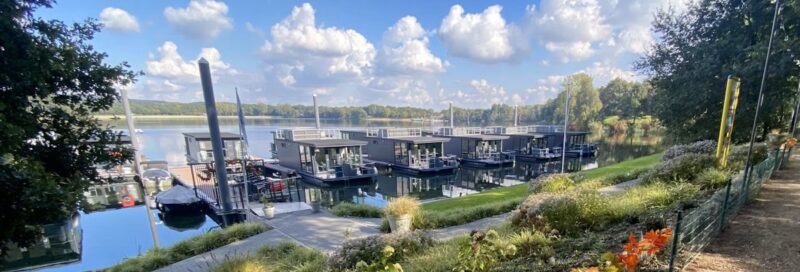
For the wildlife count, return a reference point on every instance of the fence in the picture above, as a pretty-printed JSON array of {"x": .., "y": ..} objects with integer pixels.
[{"x": 694, "y": 230}]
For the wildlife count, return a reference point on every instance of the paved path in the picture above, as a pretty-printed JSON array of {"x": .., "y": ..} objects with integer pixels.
[
  {"x": 206, "y": 261},
  {"x": 324, "y": 231},
  {"x": 453, "y": 231},
  {"x": 764, "y": 236}
]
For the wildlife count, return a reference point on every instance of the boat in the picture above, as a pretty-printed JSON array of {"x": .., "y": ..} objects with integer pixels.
[
  {"x": 179, "y": 199},
  {"x": 474, "y": 148}
]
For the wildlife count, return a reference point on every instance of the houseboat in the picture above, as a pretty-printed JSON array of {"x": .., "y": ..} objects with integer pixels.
[
  {"x": 525, "y": 146},
  {"x": 199, "y": 149},
  {"x": 321, "y": 155},
  {"x": 405, "y": 150},
  {"x": 553, "y": 138},
  {"x": 474, "y": 148}
]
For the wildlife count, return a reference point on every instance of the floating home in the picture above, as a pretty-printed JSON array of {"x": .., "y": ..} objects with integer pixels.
[
  {"x": 553, "y": 138},
  {"x": 405, "y": 150},
  {"x": 474, "y": 148},
  {"x": 525, "y": 145},
  {"x": 321, "y": 155},
  {"x": 199, "y": 150}
]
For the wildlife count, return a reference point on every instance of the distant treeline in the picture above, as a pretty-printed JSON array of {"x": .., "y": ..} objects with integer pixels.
[{"x": 497, "y": 114}]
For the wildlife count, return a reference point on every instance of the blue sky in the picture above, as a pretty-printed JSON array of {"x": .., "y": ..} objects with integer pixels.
[{"x": 404, "y": 53}]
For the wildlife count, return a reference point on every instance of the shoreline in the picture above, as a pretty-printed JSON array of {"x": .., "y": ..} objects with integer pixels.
[{"x": 256, "y": 117}]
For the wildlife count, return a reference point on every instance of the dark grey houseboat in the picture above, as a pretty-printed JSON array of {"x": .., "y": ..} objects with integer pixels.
[
  {"x": 198, "y": 147},
  {"x": 474, "y": 148},
  {"x": 525, "y": 145},
  {"x": 321, "y": 155},
  {"x": 577, "y": 145},
  {"x": 405, "y": 150}
]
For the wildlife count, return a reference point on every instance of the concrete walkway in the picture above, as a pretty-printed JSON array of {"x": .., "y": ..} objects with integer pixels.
[
  {"x": 208, "y": 260},
  {"x": 764, "y": 235},
  {"x": 324, "y": 231}
]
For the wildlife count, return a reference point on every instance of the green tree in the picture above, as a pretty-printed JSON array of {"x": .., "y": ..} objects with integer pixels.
[
  {"x": 698, "y": 49},
  {"x": 51, "y": 82},
  {"x": 584, "y": 102}
]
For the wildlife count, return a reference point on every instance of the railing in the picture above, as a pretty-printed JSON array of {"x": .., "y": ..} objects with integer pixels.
[
  {"x": 446, "y": 131},
  {"x": 506, "y": 130},
  {"x": 298, "y": 134},
  {"x": 545, "y": 128},
  {"x": 695, "y": 229},
  {"x": 394, "y": 132}
]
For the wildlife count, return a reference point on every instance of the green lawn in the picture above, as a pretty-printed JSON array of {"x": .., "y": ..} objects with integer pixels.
[{"x": 519, "y": 192}]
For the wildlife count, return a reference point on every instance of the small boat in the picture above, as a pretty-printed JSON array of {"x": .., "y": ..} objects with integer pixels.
[{"x": 179, "y": 199}]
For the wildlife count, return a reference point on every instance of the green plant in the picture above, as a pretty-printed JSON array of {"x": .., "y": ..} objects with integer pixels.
[
  {"x": 265, "y": 200},
  {"x": 356, "y": 210},
  {"x": 433, "y": 219},
  {"x": 401, "y": 206},
  {"x": 483, "y": 252},
  {"x": 532, "y": 243},
  {"x": 241, "y": 265},
  {"x": 682, "y": 168},
  {"x": 712, "y": 178},
  {"x": 383, "y": 264},
  {"x": 554, "y": 183},
  {"x": 706, "y": 147},
  {"x": 369, "y": 248},
  {"x": 438, "y": 258},
  {"x": 284, "y": 256},
  {"x": 157, "y": 258}
]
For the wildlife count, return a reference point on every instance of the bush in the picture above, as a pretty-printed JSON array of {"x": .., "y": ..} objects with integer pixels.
[
  {"x": 285, "y": 256},
  {"x": 682, "y": 168},
  {"x": 553, "y": 183},
  {"x": 369, "y": 249},
  {"x": 738, "y": 155},
  {"x": 433, "y": 220},
  {"x": 701, "y": 147},
  {"x": 402, "y": 205},
  {"x": 532, "y": 243},
  {"x": 712, "y": 178},
  {"x": 442, "y": 257},
  {"x": 157, "y": 258},
  {"x": 484, "y": 251},
  {"x": 356, "y": 210}
]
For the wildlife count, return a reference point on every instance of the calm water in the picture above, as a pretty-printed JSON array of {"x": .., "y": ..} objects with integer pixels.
[{"x": 111, "y": 235}]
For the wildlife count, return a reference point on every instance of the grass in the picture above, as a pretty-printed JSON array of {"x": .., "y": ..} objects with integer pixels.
[
  {"x": 356, "y": 210},
  {"x": 157, "y": 258},
  {"x": 285, "y": 256},
  {"x": 519, "y": 192}
]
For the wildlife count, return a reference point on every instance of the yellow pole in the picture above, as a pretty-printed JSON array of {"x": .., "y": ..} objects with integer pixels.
[{"x": 726, "y": 126}]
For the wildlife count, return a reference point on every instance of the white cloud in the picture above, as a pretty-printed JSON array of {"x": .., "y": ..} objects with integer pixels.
[
  {"x": 569, "y": 27},
  {"x": 168, "y": 71},
  {"x": 483, "y": 37},
  {"x": 202, "y": 19},
  {"x": 302, "y": 54},
  {"x": 602, "y": 73},
  {"x": 405, "y": 50},
  {"x": 118, "y": 20}
]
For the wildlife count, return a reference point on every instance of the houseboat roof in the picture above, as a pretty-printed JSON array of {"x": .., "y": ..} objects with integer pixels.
[
  {"x": 562, "y": 133},
  {"x": 421, "y": 139},
  {"x": 484, "y": 137},
  {"x": 207, "y": 135},
  {"x": 331, "y": 142}
]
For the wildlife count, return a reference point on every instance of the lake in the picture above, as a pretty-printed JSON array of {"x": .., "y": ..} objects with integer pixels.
[{"x": 111, "y": 235}]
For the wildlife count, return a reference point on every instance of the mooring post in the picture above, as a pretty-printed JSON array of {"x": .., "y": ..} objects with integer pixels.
[{"x": 216, "y": 140}]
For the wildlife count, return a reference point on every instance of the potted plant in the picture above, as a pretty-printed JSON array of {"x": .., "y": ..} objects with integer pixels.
[
  {"x": 269, "y": 209},
  {"x": 399, "y": 212},
  {"x": 316, "y": 205}
]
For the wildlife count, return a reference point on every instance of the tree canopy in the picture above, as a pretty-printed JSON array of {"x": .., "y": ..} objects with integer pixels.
[
  {"x": 51, "y": 82},
  {"x": 700, "y": 47}
]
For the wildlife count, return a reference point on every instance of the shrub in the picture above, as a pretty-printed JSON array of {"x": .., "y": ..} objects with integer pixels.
[
  {"x": 738, "y": 155},
  {"x": 356, "y": 210},
  {"x": 382, "y": 264},
  {"x": 562, "y": 213},
  {"x": 700, "y": 147},
  {"x": 157, "y": 258},
  {"x": 369, "y": 248},
  {"x": 284, "y": 256},
  {"x": 402, "y": 205},
  {"x": 442, "y": 257},
  {"x": 553, "y": 183},
  {"x": 712, "y": 178},
  {"x": 483, "y": 252},
  {"x": 432, "y": 220},
  {"x": 532, "y": 243},
  {"x": 681, "y": 168}
]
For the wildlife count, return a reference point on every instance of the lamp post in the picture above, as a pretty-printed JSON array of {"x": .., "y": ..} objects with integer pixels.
[{"x": 566, "y": 121}]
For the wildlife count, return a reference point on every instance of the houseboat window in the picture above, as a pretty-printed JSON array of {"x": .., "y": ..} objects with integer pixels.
[
  {"x": 305, "y": 159},
  {"x": 401, "y": 153}
]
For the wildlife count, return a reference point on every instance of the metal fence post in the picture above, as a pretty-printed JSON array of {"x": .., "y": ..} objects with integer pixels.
[
  {"x": 725, "y": 206},
  {"x": 675, "y": 241}
]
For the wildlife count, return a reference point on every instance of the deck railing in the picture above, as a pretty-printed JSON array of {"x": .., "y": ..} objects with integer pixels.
[
  {"x": 299, "y": 134},
  {"x": 394, "y": 132},
  {"x": 460, "y": 131}
]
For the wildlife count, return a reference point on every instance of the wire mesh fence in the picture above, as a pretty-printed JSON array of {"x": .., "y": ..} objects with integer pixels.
[{"x": 695, "y": 228}]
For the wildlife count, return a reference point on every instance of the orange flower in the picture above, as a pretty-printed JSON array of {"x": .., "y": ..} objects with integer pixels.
[{"x": 630, "y": 261}]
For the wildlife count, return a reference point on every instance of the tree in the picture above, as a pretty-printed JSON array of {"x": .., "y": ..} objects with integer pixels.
[
  {"x": 698, "y": 49},
  {"x": 51, "y": 83},
  {"x": 584, "y": 103}
]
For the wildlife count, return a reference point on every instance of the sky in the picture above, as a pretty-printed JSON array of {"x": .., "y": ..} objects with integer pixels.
[{"x": 360, "y": 52}]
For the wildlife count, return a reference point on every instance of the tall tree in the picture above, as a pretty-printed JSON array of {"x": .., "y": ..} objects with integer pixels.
[
  {"x": 584, "y": 103},
  {"x": 51, "y": 83},
  {"x": 699, "y": 48}
]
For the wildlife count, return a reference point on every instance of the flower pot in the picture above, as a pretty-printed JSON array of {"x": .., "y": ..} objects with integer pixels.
[
  {"x": 399, "y": 223},
  {"x": 316, "y": 206},
  {"x": 269, "y": 212}
]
